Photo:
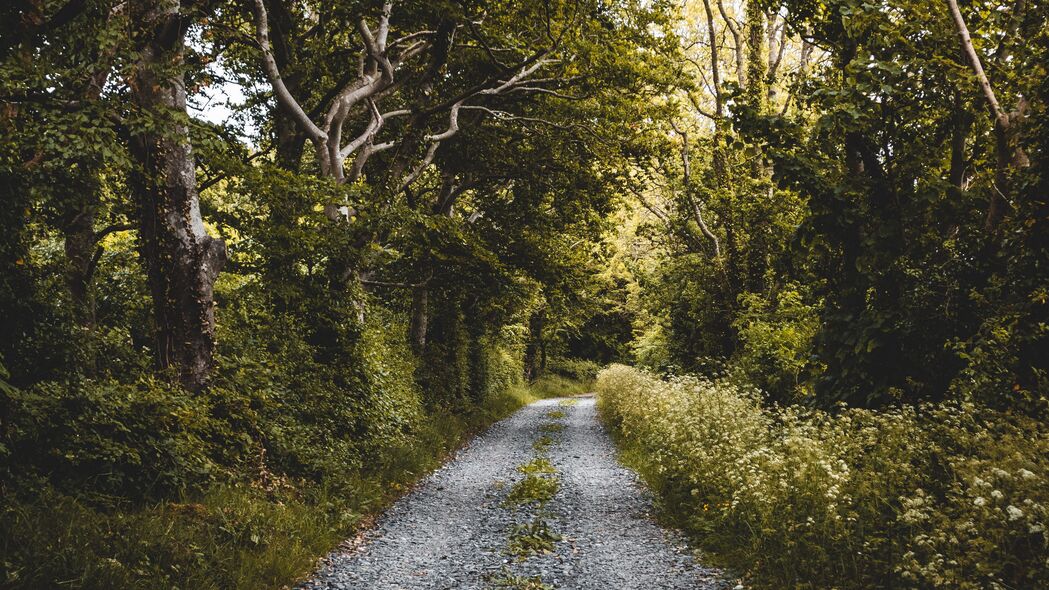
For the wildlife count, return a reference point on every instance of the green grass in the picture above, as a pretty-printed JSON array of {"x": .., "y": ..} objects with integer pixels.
[
  {"x": 558, "y": 386},
  {"x": 542, "y": 444},
  {"x": 231, "y": 537},
  {"x": 539, "y": 465},
  {"x": 507, "y": 579},
  {"x": 533, "y": 489},
  {"x": 556, "y": 414},
  {"x": 551, "y": 427}
]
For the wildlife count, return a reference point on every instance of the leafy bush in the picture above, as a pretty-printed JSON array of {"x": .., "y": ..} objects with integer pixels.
[
  {"x": 776, "y": 342},
  {"x": 934, "y": 496},
  {"x": 140, "y": 440},
  {"x": 581, "y": 370}
]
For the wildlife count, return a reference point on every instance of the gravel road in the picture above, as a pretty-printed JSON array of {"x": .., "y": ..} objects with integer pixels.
[{"x": 452, "y": 531}]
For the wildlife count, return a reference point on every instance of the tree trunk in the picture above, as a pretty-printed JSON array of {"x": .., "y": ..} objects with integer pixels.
[
  {"x": 182, "y": 261},
  {"x": 535, "y": 350},
  {"x": 420, "y": 318},
  {"x": 79, "y": 233},
  {"x": 961, "y": 124}
]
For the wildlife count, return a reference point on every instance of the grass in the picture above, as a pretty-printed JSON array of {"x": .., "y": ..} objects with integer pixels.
[
  {"x": 551, "y": 427},
  {"x": 232, "y": 536},
  {"x": 533, "y": 489},
  {"x": 558, "y": 386},
  {"x": 542, "y": 444},
  {"x": 539, "y": 465},
  {"x": 556, "y": 414},
  {"x": 508, "y": 579}
]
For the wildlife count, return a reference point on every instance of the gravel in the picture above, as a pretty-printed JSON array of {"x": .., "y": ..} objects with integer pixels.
[{"x": 452, "y": 530}]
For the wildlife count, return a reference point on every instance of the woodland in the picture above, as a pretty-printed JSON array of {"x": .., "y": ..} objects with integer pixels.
[{"x": 265, "y": 263}]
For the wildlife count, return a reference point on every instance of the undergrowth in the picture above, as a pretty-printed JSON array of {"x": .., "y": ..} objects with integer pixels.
[{"x": 265, "y": 531}]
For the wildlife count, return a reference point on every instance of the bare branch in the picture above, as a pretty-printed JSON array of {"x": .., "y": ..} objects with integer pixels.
[
  {"x": 280, "y": 91},
  {"x": 715, "y": 74},
  {"x": 741, "y": 71}
]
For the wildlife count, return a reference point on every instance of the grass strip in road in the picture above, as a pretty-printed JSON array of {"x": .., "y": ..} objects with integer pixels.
[
  {"x": 533, "y": 489},
  {"x": 539, "y": 465},
  {"x": 551, "y": 427},
  {"x": 508, "y": 580},
  {"x": 543, "y": 444},
  {"x": 533, "y": 538}
]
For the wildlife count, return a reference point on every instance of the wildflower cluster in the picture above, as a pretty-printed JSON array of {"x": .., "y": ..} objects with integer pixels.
[{"x": 934, "y": 496}]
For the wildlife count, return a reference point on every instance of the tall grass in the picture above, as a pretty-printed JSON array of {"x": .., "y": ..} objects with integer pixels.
[{"x": 935, "y": 496}]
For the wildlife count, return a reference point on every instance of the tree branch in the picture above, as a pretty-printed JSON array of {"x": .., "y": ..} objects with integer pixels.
[
  {"x": 280, "y": 90},
  {"x": 1000, "y": 115}
]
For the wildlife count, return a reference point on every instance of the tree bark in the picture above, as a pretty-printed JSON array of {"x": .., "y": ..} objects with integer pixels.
[
  {"x": 420, "y": 318},
  {"x": 79, "y": 233},
  {"x": 182, "y": 261},
  {"x": 535, "y": 350},
  {"x": 1008, "y": 152}
]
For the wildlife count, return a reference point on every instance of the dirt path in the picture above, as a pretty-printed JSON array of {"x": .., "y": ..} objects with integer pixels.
[{"x": 455, "y": 530}]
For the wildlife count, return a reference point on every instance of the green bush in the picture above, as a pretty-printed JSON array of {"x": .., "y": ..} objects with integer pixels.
[
  {"x": 934, "y": 496},
  {"x": 140, "y": 440},
  {"x": 581, "y": 370},
  {"x": 776, "y": 342}
]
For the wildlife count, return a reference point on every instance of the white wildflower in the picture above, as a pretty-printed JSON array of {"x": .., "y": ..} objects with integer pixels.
[
  {"x": 1014, "y": 512},
  {"x": 980, "y": 501}
]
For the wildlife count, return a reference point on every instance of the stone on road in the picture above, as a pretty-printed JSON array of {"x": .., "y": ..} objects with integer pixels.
[{"x": 452, "y": 530}]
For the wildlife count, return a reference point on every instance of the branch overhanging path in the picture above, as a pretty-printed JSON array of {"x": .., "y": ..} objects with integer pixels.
[{"x": 455, "y": 529}]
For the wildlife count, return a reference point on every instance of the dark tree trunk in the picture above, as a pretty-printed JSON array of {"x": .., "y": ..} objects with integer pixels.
[
  {"x": 962, "y": 121},
  {"x": 182, "y": 261},
  {"x": 535, "y": 350},
  {"x": 80, "y": 240},
  {"x": 420, "y": 318}
]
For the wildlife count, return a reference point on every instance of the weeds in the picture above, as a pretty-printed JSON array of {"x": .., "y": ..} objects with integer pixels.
[
  {"x": 507, "y": 579},
  {"x": 948, "y": 495},
  {"x": 534, "y": 538},
  {"x": 539, "y": 465},
  {"x": 533, "y": 489},
  {"x": 542, "y": 444},
  {"x": 551, "y": 427},
  {"x": 556, "y": 414}
]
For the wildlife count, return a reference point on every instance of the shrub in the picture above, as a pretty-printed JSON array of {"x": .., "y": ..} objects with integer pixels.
[
  {"x": 934, "y": 496},
  {"x": 776, "y": 342},
  {"x": 577, "y": 369},
  {"x": 140, "y": 440}
]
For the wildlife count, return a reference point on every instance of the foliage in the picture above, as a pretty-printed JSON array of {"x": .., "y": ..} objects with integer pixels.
[
  {"x": 776, "y": 343},
  {"x": 261, "y": 531},
  {"x": 581, "y": 370},
  {"x": 948, "y": 495}
]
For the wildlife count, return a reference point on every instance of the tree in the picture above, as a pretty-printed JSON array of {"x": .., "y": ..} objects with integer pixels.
[{"x": 182, "y": 260}]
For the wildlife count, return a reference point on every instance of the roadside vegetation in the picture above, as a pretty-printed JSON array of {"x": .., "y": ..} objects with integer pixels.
[
  {"x": 938, "y": 495},
  {"x": 261, "y": 530}
]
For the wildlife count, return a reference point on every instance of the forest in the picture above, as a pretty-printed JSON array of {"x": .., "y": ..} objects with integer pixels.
[{"x": 265, "y": 264}]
